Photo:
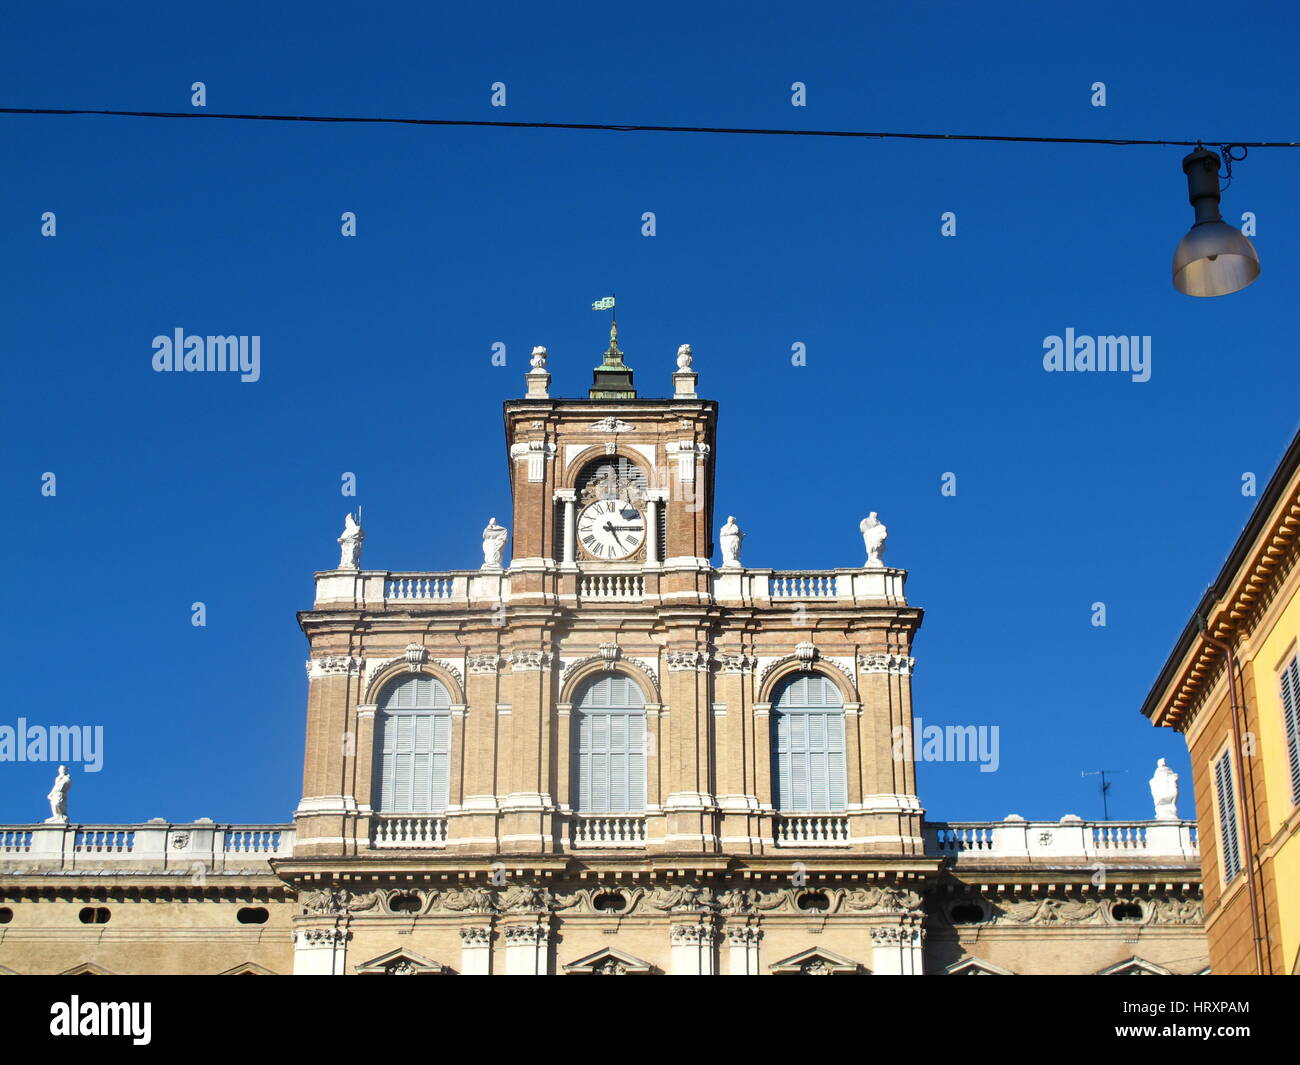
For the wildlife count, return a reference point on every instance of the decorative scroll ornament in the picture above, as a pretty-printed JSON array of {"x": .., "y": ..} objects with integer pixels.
[
  {"x": 529, "y": 661},
  {"x": 334, "y": 901},
  {"x": 489, "y": 663},
  {"x": 741, "y": 663},
  {"x": 334, "y": 665},
  {"x": 806, "y": 653},
  {"x": 881, "y": 899},
  {"x": 529, "y": 934},
  {"x": 611, "y": 425},
  {"x": 900, "y": 665},
  {"x": 416, "y": 654},
  {"x": 691, "y": 935},
  {"x": 637, "y": 663},
  {"x": 687, "y": 660},
  {"x": 1049, "y": 910}
]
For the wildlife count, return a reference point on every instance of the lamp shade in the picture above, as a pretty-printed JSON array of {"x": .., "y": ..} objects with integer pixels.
[{"x": 1214, "y": 258}]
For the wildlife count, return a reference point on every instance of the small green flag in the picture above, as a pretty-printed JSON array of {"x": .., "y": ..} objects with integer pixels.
[{"x": 606, "y": 304}]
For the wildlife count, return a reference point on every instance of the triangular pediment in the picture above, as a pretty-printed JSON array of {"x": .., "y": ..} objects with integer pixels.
[
  {"x": 816, "y": 961},
  {"x": 1134, "y": 966},
  {"x": 969, "y": 966},
  {"x": 249, "y": 968},
  {"x": 609, "y": 961},
  {"x": 401, "y": 962},
  {"x": 87, "y": 968}
]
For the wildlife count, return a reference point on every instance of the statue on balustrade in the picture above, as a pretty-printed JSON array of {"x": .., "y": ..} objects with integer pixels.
[
  {"x": 1164, "y": 792},
  {"x": 730, "y": 538},
  {"x": 350, "y": 543},
  {"x": 874, "y": 534},
  {"x": 494, "y": 543},
  {"x": 58, "y": 797}
]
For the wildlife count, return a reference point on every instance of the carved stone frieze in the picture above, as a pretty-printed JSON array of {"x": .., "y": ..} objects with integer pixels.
[{"x": 880, "y": 662}]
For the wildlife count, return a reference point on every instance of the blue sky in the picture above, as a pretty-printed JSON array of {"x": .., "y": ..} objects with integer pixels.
[{"x": 924, "y": 353}]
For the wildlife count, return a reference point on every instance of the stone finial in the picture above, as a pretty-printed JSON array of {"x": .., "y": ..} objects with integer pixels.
[
  {"x": 874, "y": 535},
  {"x": 685, "y": 377},
  {"x": 58, "y": 797},
  {"x": 494, "y": 543},
  {"x": 350, "y": 543},
  {"x": 1164, "y": 792},
  {"x": 730, "y": 537},
  {"x": 538, "y": 380}
]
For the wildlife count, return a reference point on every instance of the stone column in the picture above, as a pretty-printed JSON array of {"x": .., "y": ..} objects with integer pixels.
[
  {"x": 569, "y": 497},
  {"x": 692, "y": 949},
  {"x": 320, "y": 951},
  {"x": 743, "y": 944},
  {"x": 896, "y": 949},
  {"x": 527, "y": 947},
  {"x": 476, "y": 951}
]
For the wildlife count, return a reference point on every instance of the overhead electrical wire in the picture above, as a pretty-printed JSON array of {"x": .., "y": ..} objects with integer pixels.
[{"x": 614, "y": 128}]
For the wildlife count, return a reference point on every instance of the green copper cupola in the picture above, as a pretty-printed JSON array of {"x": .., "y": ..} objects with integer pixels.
[{"x": 612, "y": 379}]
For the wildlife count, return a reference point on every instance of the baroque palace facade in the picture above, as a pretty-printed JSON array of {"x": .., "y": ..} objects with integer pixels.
[{"x": 607, "y": 756}]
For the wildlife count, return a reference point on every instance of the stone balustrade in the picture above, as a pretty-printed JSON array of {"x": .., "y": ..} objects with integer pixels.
[
  {"x": 608, "y": 830},
  {"x": 373, "y": 589},
  {"x": 813, "y": 830},
  {"x": 426, "y": 832},
  {"x": 1071, "y": 838},
  {"x": 606, "y": 587},
  {"x": 152, "y": 846}
]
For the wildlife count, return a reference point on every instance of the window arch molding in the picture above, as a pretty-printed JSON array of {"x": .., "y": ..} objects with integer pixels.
[
  {"x": 399, "y": 667},
  {"x": 809, "y": 741},
  {"x": 585, "y": 669},
  {"x": 413, "y": 744},
  {"x": 596, "y": 454},
  {"x": 608, "y": 752},
  {"x": 786, "y": 667}
]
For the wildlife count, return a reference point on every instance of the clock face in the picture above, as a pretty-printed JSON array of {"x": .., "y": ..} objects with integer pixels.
[{"x": 611, "y": 528}]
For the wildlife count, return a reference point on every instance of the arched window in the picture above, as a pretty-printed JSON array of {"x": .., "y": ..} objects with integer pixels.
[
  {"x": 808, "y": 745},
  {"x": 414, "y": 746},
  {"x": 609, "y": 755}
]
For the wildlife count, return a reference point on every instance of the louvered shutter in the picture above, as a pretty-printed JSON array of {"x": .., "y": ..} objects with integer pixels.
[
  {"x": 1291, "y": 719},
  {"x": 610, "y": 761},
  {"x": 1228, "y": 837},
  {"x": 809, "y": 756},
  {"x": 415, "y": 746}
]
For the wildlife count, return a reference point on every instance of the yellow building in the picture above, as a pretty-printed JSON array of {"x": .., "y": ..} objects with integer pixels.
[{"x": 1243, "y": 730}]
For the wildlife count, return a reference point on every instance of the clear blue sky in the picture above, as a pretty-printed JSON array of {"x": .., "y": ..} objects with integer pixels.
[{"x": 924, "y": 352}]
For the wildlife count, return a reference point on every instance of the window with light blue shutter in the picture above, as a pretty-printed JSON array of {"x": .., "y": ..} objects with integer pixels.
[
  {"x": 1291, "y": 722},
  {"x": 609, "y": 755},
  {"x": 414, "y": 746},
  {"x": 808, "y": 766},
  {"x": 1229, "y": 838}
]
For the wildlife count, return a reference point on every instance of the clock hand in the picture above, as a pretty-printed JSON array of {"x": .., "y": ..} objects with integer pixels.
[{"x": 609, "y": 528}]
